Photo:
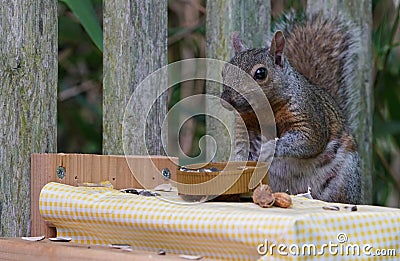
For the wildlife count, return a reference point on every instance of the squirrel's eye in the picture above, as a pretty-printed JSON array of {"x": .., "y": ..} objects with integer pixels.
[{"x": 260, "y": 74}]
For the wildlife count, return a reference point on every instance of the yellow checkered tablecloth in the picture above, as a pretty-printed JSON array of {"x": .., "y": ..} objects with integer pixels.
[{"x": 234, "y": 231}]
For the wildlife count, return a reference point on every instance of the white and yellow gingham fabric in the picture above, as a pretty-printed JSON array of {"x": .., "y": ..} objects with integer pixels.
[{"x": 234, "y": 231}]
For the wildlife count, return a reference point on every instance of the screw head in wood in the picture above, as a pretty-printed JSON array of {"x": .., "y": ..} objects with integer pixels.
[
  {"x": 60, "y": 172},
  {"x": 166, "y": 173}
]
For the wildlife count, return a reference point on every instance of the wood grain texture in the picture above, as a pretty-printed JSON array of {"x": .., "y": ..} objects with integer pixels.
[
  {"x": 121, "y": 171},
  {"x": 18, "y": 249},
  {"x": 135, "y": 45},
  {"x": 358, "y": 12},
  {"x": 28, "y": 97},
  {"x": 252, "y": 20}
]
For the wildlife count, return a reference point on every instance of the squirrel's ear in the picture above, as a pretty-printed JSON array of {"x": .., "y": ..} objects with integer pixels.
[
  {"x": 238, "y": 45},
  {"x": 277, "y": 46}
]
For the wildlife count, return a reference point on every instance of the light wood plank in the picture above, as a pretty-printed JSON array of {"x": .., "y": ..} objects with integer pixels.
[
  {"x": 18, "y": 249},
  {"x": 121, "y": 171}
]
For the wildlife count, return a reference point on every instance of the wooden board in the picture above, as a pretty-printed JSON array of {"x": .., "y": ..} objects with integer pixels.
[
  {"x": 121, "y": 171},
  {"x": 18, "y": 249}
]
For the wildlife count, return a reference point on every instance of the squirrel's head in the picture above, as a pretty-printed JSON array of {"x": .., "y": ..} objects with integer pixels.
[{"x": 261, "y": 64}]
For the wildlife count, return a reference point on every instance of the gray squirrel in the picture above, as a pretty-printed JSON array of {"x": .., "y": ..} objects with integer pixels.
[{"x": 306, "y": 74}]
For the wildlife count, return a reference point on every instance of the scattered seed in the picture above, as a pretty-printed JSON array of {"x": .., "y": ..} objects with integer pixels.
[
  {"x": 123, "y": 247},
  {"x": 131, "y": 191},
  {"x": 161, "y": 252},
  {"x": 350, "y": 208},
  {"x": 190, "y": 257},
  {"x": 212, "y": 169},
  {"x": 60, "y": 239},
  {"x": 334, "y": 208},
  {"x": 147, "y": 193},
  {"x": 33, "y": 238}
]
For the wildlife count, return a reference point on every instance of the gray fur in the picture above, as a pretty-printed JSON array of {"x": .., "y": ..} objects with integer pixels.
[
  {"x": 339, "y": 54},
  {"x": 308, "y": 94}
]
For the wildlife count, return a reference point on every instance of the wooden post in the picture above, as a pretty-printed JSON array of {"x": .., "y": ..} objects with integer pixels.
[
  {"x": 135, "y": 45},
  {"x": 252, "y": 20},
  {"x": 28, "y": 102},
  {"x": 360, "y": 13}
]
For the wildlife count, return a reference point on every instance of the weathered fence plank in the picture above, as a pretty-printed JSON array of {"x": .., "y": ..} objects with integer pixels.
[
  {"x": 28, "y": 102},
  {"x": 252, "y": 20},
  {"x": 135, "y": 45},
  {"x": 358, "y": 12}
]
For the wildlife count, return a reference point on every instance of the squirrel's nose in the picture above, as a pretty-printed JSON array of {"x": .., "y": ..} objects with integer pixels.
[{"x": 226, "y": 99}]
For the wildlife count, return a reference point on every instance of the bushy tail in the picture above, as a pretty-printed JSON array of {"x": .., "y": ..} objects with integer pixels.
[{"x": 324, "y": 51}]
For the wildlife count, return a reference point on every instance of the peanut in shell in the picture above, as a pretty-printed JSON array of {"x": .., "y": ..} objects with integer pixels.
[
  {"x": 282, "y": 199},
  {"x": 262, "y": 196}
]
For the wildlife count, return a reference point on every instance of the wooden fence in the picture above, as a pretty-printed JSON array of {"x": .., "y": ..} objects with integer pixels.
[{"x": 135, "y": 44}]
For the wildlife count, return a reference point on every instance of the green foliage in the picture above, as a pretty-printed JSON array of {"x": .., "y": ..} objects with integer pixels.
[
  {"x": 387, "y": 100},
  {"x": 80, "y": 83},
  {"x": 84, "y": 11}
]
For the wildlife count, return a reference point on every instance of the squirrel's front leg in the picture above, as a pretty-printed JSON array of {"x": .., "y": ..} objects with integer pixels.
[
  {"x": 296, "y": 144},
  {"x": 300, "y": 144},
  {"x": 247, "y": 143},
  {"x": 247, "y": 146},
  {"x": 267, "y": 150}
]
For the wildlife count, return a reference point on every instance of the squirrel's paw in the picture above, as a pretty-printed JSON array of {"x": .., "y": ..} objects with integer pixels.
[
  {"x": 240, "y": 157},
  {"x": 268, "y": 150}
]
